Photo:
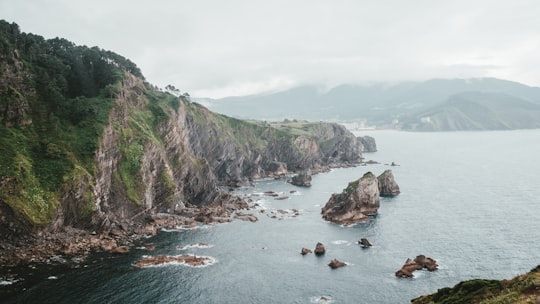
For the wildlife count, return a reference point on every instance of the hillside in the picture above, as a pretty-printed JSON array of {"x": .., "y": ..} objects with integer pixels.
[
  {"x": 477, "y": 111},
  {"x": 87, "y": 143},
  {"x": 383, "y": 105},
  {"x": 521, "y": 289}
]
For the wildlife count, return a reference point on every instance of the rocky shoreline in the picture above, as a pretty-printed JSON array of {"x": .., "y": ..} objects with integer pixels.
[{"x": 40, "y": 245}]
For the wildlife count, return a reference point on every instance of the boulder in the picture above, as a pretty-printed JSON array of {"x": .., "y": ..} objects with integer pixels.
[
  {"x": 335, "y": 264},
  {"x": 359, "y": 199},
  {"x": 387, "y": 184},
  {"x": 305, "y": 251},
  {"x": 302, "y": 179},
  {"x": 161, "y": 259},
  {"x": 246, "y": 217},
  {"x": 364, "y": 243},
  {"x": 319, "y": 249}
]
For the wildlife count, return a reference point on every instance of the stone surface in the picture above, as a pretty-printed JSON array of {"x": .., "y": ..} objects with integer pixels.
[
  {"x": 335, "y": 263},
  {"x": 368, "y": 143},
  {"x": 364, "y": 243},
  {"x": 319, "y": 249},
  {"x": 359, "y": 199},
  {"x": 419, "y": 263},
  {"x": 387, "y": 184},
  {"x": 302, "y": 179},
  {"x": 305, "y": 251}
]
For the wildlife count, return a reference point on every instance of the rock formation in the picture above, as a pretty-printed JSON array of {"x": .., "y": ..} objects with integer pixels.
[
  {"x": 387, "y": 184},
  {"x": 419, "y": 263},
  {"x": 136, "y": 151},
  {"x": 368, "y": 143},
  {"x": 305, "y": 251},
  {"x": 319, "y": 249},
  {"x": 302, "y": 179},
  {"x": 335, "y": 263},
  {"x": 359, "y": 199},
  {"x": 364, "y": 243}
]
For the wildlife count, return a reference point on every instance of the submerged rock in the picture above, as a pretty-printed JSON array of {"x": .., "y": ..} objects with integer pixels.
[
  {"x": 387, "y": 184},
  {"x": 358, "y": 200}
]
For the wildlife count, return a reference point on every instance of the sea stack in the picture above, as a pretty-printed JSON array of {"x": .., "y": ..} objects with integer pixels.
[
  {"x": 359, "y": 199},
  {"x": 387, "y": 184}
]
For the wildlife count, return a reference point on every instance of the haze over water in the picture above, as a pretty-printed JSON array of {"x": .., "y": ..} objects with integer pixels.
[{"x": 470, "y": 200}]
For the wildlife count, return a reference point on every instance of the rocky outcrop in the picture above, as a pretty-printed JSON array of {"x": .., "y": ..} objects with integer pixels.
[
  {"x": 305, "y": 251},
  {"x": 364, "y": 243},
  {"x": 419, "y": 263},
  {"x": 319, "y": 249},
  {"x": 387, "y": 184},
  {"x": 359, "y": 199},
  {"x": 335, "y": 263},
  {"x": 302, "y": 179},
  {"x": 368, "y": 143}
]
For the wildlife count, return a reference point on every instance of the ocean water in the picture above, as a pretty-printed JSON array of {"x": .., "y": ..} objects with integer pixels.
[{"x": 470, "y": 200}]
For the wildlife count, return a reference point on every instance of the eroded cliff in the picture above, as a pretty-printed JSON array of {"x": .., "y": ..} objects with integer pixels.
[{"x": 87, "y": 143}]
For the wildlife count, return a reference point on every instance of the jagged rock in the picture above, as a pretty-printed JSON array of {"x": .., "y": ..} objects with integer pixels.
[
  {"x": 419, "y": 263},
  {"x": 364, "y": 243},
  {"x": 368, "y": 143},
  {"x": 387, "y": 184},
  {"x": 319, "y": 249},
  {"x": 335, "y": 263},
  {"x": 305, "y": 251},
  {"x": 246, "y": 217},
  {"x": 359, "y": 199},
  {"x": 302, "y": 179},
  {"x": 120, "y": 249}
]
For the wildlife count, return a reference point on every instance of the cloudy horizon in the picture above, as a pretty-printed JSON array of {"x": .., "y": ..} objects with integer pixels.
[{"x": 223, "y": 48}]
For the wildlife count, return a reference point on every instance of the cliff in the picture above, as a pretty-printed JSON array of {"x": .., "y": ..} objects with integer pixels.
[{"x": 85, "y": 142}]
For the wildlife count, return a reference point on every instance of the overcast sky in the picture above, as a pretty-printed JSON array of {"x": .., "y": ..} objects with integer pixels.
[{"x": 232, "y": 47}]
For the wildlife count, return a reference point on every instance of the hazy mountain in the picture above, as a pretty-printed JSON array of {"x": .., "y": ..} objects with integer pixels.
[
  {"x": 477, "y": 111},
  {"x": 379, "y": 104}
]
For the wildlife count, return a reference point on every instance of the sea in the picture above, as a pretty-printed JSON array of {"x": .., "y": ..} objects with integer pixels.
[{"x": 469, "y": 200}]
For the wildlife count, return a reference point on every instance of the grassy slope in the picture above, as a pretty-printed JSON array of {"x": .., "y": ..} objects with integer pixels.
[{"x": 521, "y": 289}]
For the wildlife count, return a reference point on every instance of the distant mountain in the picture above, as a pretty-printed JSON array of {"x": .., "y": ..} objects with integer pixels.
[
  {"x": 477, "y": 111},
  {"x": 378, "y": 104}
]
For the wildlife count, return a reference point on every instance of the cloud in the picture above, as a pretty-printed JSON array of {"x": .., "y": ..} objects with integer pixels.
[{"x": 236, "y": 47}]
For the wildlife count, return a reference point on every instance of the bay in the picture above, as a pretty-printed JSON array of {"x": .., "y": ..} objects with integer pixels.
[{"x": 470, "y": 200}]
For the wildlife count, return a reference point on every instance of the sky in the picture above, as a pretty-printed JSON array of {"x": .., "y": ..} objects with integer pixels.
[{"x": 228, "y": 48}]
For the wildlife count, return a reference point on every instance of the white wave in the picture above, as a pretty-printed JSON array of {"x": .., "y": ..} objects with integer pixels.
[
  {"x": 53, "y": 278},
  {"x": 7, "y": 282},
  {"x": 197, "y": 245},
  {"x": 182, "y": 228},
  {"x": 341, "y": 242},
  {"x": 321, "y": 299},
  {"x": 209, "y": 262}
]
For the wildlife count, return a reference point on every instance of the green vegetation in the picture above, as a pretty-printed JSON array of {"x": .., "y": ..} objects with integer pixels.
[
  {"x": 521, "y": 289},
  {"x": 55, "y": 99}
]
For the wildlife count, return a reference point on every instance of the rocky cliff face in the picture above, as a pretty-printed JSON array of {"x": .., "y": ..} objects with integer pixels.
[
  {"x": 368, "y": 143},
  {"x": 358, "y": 200},
  {"x": 97, "y": 148}
]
